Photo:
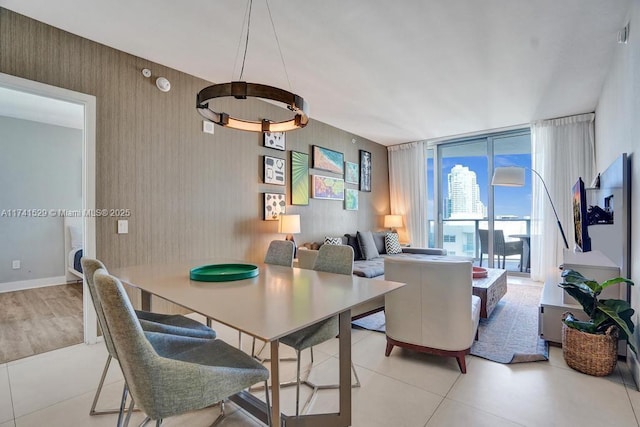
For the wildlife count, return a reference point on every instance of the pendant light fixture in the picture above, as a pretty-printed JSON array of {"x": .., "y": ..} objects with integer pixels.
[{"x": 241, "y": 90}]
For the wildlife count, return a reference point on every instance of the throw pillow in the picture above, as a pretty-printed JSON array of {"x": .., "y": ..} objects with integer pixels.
[
  {"x": 367, "y": 245},
  {"x": 378, "y": 238},
  {"x": 352, "y": 240},
  {"x": 392, "y": 243},
  {"x": 332, "y": 240}
]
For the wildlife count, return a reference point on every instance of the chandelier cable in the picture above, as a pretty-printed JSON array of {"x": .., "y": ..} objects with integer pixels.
[
  {"x": 244, "y": 21},
  {"x": 275, "y": 33},
  {"x": 246, "y": 44}
]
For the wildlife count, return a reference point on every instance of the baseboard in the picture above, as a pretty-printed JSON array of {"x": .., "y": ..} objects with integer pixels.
[
  {"x": 634, "y": 366},
  {"x": 31, "y": 284}
]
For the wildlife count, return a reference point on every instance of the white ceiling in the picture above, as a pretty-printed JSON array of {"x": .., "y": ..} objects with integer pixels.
[{"x": 389, "y": 71}]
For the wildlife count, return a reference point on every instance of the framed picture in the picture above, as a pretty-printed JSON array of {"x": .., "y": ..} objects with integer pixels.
[
  {"x": 351, "y": 171},
  {"x": 274, "y": 170},
  {"x": 326, "y": 187},
  {"x": 299, "y": 178},
  {"x": 274, "y": 206},
  {"x": 351, "y": 199},
  {"x": 365, "y": 170},
  {"x": 274, "y": 140},
  {"x": 328, "y": 160}
]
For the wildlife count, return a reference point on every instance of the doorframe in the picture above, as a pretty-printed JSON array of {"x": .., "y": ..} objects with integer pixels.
[{"x": 88, "y": 102}]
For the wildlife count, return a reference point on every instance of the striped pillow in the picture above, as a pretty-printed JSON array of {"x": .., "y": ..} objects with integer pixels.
[
  {"x": 332, "y": 240},
  {"x": 392, "y": 243}
]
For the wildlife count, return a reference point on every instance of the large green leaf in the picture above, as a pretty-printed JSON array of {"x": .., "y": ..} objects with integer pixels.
[
  {"x": 611, "y": 310},
  {"x": 586, "y": 300},
  {"x": 614, "y": 281},
  {"x": 587, "y": 285}
]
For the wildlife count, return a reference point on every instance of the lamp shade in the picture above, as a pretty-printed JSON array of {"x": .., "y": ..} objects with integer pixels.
[
  {"x": 289, "y": 224},
  {"x": 392, "y": 221},
  {"x": 510, "y": 176}
]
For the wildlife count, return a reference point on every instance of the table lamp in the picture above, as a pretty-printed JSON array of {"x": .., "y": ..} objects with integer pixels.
[
  {"x": 289, "y": 225},
  {"x": 513, "y": 176},
  {"x": 392, "y": 222}
]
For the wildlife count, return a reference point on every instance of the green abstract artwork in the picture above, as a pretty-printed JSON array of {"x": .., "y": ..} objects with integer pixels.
[{"x": 299, "y": 178}]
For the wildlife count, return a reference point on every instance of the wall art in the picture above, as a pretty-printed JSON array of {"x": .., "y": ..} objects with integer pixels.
[
  {"x": 365, "y": 170},
  {"x": 351, "y": 172},
  {"x": 274, "y": 170},
  {"x": 274, "y": 140},
  {"x": 326, "y": 187},
  {"x": 274, "y": 206},
  {"x": 299, "y": 178},
  {"x": 351, "y": 199},
  {"x": 328, "y": 160}
]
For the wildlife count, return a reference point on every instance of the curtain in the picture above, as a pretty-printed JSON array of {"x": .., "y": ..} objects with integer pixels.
[
  {"x": 408, "y": 191},
  {"x": 562, "y": 151}
]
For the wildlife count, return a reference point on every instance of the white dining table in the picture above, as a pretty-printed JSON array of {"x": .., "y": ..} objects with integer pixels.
[{"x": 278, "y": 301}]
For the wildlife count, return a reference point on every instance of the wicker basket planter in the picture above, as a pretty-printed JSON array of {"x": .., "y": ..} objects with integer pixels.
[{"x": 592, "y": 354}]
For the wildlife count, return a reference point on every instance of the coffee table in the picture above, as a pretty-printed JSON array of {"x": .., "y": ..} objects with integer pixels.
[{"x": 490, "y": 289}]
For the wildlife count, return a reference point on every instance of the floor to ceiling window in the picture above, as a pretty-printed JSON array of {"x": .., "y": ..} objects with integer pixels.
[{"x": 468, "y": 216}]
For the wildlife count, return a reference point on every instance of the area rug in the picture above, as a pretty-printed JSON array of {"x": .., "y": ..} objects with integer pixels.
[{"x": 509, "y": 335}]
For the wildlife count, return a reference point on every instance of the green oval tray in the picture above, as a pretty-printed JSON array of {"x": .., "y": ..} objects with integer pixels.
[{"x": 223, "y": 272}]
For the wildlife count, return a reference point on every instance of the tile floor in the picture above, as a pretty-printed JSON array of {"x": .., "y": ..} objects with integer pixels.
[{"x": 406, "y": 389}]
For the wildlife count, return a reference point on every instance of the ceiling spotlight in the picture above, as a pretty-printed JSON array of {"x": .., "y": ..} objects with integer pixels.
[
  {"x": 163, "y": 84},
  {"x": 146, "y": 72}
]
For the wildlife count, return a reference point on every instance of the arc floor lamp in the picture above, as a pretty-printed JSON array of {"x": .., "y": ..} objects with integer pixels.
[{"x": 513, "y": 176}]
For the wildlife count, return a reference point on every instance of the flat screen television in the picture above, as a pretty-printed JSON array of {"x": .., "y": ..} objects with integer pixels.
[{"x": 580, "y": 219}]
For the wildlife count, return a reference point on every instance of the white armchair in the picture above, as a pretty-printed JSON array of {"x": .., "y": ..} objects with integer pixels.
[{"x": 436, "y": 312}]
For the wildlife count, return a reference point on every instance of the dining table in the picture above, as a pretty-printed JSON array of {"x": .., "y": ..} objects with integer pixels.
[{"x": 278, "y": 301}]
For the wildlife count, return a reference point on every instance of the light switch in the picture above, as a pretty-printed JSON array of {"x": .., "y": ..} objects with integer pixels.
[
  {"x": 123, "y": 226},
  {"x": 207, "y": 127}
]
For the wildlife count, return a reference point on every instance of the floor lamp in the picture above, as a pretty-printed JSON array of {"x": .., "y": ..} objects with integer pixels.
[{"x": 512, "y": 176}]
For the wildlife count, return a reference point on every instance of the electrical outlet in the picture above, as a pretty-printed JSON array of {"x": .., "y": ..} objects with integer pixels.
[{"x": 15, "y": 264}]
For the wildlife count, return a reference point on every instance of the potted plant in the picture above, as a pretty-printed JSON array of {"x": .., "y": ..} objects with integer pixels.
[{"x": 591, "y": 346}]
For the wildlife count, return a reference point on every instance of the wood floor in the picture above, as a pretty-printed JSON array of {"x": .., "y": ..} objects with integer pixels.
[{"x": 37, "y": 320}]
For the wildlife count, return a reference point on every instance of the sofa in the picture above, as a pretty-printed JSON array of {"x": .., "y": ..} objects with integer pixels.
[
  {"x": 368, "y": 264},
  {"x": 436, "y": 312},
  {"x": 369, "y": 268}
]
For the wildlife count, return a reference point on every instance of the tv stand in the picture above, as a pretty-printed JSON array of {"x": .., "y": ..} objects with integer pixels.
[{"x": 609, "y": 258}]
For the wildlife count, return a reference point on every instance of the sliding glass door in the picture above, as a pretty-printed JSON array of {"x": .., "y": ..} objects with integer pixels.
[{"x": 474, "y": 219}]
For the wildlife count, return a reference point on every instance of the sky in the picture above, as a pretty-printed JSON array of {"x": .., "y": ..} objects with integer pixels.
[{"x": 508, "y": 200}]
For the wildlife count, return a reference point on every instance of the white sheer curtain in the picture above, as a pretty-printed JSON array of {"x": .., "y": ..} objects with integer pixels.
[
  {"x": 408, "y": 190},
  {"x": 562, "y": 151}
]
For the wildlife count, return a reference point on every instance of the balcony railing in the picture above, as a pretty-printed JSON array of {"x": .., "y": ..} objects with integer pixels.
[{"x": 463, "y": 239}]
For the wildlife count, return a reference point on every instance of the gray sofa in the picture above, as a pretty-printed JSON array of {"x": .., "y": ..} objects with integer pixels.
[{"x": 373, "y": 267}]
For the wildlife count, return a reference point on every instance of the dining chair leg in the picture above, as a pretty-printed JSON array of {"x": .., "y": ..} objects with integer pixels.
[
  {"x": 298, "y": 384},
  {"x": 268, "y": 402},
  {"x": 220, "y": 416},
  {"x": 93, "y": 411},
  {"x": 159, "y": 422},
  {"x": 123, "y": 404},
  {"x": 129, "y": 412}
]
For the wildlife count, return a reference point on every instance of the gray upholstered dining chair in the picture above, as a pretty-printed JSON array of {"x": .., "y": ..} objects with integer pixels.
[
  {"x": 500, "y": 246},
  {"x": 167, "y": 329},
  {"x": 196, "y": 375},
  {"x": 332, "y": 259},
  {"x": 280, "y": 252}
]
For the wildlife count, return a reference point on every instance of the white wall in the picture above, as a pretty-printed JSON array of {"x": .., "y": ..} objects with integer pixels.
[
  {"x": 618, "y": 130},
  {"x": 40, "y": 168}
]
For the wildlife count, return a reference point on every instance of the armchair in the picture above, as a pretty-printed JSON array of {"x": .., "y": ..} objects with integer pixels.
[{"x": 436, "y": 312}]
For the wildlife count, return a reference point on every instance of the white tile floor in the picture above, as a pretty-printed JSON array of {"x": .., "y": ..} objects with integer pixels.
[{"x": 406, "y": 389}]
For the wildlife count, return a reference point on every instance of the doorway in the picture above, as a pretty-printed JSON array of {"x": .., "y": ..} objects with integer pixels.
[{"x": 86, "y": 225}]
